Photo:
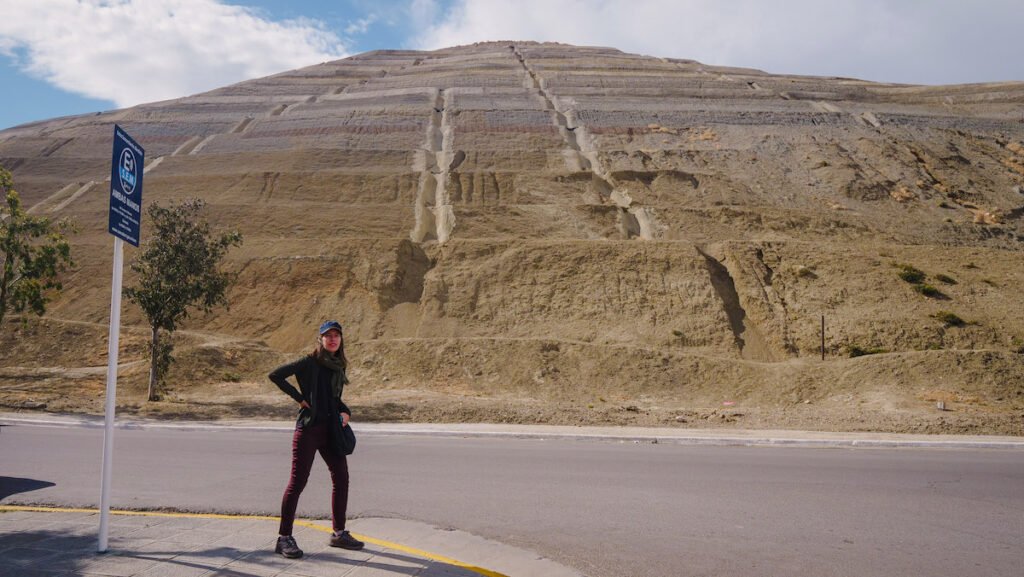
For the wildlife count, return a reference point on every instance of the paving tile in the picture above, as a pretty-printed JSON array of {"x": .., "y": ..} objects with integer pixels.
[
  {"x": 230, "y": 572},
  {"x": 26, "y": 556},
  {"x": 309, "y": 534},
  {"x": 136, "y": 521},
  {"x": 198, "y": 536},
  {"x": 9, "y": 527},
  {"x": 71, "y": 518},
  {"x": 28, "y": 572},
  {"x": 173, "y": 568},
  {"x": 155, "y": 532},
  {"x": 21, "y": 539},
  {"x": 12, "y": 516},
  {"x": 324, "y": 566},
  {"x": 397, "y": 558},
  {"x": 384, "y": 571},
  {"x": 129, "y": 543},
  {"x": 36, "y": 523},
  {"x": 65, "y": 560},
  {"x": 248, "y": 541},
  {"x": 115, "y": 565},
  {"x": 213, "y": 556},
  {"x": 265, "y": 558},
  {"x": 67, "y": 541},
  {"x": 362, "y": 555},
  {"x": 241, "y": 524},
  {"x": 191, "y": 565},
  {"x": 183, "y": 522},
  {"x": 438, "y": 569},
  {"x": 161, "y": 550},
  {"x": 383, "y": 566}
]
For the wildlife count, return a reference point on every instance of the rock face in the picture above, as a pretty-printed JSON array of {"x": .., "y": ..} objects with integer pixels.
[{"x": 552, "y": 223}]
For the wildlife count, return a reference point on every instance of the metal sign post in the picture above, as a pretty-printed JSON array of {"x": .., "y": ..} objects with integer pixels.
[{"x": 125, "y": 220}]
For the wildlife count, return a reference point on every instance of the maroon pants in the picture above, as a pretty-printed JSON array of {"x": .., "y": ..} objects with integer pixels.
[{"x": 305, "y": 443}]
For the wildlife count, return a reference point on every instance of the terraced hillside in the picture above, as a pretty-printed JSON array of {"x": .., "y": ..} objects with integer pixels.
[{"x": 542, "y": 232}]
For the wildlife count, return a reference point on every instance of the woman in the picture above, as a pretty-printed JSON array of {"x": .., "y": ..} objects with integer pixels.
[{"x": 321, "y": 378}]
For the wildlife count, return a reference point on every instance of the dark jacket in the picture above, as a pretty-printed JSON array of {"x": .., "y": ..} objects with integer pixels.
[{"x": 306, "y": 371}]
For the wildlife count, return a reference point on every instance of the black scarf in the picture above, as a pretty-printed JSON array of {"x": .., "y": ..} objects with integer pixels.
[{"x": 337, "y": 367}]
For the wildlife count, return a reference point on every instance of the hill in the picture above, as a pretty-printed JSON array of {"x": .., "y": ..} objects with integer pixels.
[{"x": 526, "y": 232}]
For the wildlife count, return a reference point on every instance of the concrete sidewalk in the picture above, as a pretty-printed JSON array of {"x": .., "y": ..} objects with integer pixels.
[{"x": 63, "y": 542}]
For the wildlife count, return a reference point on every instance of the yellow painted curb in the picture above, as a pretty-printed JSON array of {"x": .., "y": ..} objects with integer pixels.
[{"x": 375, "y": 541}]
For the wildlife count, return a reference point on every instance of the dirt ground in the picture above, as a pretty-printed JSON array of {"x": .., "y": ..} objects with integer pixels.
[
  {"x": 208, "y": 382},
  {"x": 422, "y": 407}
]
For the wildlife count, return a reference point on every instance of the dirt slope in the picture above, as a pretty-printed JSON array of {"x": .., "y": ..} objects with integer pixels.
[{"x": 549, "y": 233}]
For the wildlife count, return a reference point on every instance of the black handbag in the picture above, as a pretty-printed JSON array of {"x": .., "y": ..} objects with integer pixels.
[{"x": 344, "y": 439}]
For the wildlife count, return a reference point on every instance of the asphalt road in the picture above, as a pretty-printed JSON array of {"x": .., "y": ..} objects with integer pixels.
[{"x": 605, "y": 508}]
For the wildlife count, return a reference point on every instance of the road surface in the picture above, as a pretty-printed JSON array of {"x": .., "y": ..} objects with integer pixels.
[{"x": 605, "y": 508}]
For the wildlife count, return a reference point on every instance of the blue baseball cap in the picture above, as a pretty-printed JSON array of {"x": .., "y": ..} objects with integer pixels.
[{"x": 330, "y": 325}]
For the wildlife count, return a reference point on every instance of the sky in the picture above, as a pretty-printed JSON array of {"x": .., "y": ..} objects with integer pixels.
[{"x": 63, "y": 57}]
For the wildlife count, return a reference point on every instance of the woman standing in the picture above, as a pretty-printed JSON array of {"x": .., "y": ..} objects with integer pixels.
[{"x": 321, "y": 378}]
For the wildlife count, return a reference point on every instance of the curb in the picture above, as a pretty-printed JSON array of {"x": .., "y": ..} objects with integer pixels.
[{"x": 637, "y": 435}]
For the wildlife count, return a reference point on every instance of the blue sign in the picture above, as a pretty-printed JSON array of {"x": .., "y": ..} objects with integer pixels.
[{"x": 126, "y": 170}]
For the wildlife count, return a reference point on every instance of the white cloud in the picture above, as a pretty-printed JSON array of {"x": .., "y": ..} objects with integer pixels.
[
  {"x": 360, "y": 26},
  {"x": 134, "y": 51},
  {"x": 913, "y": 41},
  {"x": 423, "y": 13}
]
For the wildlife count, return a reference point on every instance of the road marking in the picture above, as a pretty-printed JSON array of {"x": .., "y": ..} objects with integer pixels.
[{"x": 361, "y": 537}]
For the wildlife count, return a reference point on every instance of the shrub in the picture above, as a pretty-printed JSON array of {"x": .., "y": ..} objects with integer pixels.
[
  {"x": 950, "y": 319},
  {"x": 928, "y": 291},
  {"x": 856, "y": 351},
  {"x": 945, "y": 279},
  {"x": 910, "y": 274},
  {"x": 804, "y": 272}
]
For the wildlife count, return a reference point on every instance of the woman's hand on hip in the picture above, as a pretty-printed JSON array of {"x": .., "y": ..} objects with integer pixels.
[
  {"x": 304, "y": 404},
  {"x": 344, "y": 419}
]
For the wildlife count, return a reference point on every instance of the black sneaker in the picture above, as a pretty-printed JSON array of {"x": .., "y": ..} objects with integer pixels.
[
  {"x": 345, "y": 540},
  {"x": 287, "y": 547}
]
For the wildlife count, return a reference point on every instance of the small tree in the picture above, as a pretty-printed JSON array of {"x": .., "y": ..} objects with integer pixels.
[
  {"x": 35, "y": 252},
  {"x": 178, "y": 270}
]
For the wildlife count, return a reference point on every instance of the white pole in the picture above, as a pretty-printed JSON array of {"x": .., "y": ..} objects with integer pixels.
[{"x": 108, "y": 431}]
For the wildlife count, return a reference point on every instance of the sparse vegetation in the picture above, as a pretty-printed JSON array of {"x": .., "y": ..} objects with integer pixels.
[
  {"x": 1017, "y": 345},
  {"x": 805, "y": 272},
  {"x": 916, "y": 276},
  {"x": 858, "y": 351},
  {"x": 910, "y": 274},
  {"x": 949, "y": 319},
  {"x": 928, "y": 291},
  {"x": 945, "y": 279}
]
